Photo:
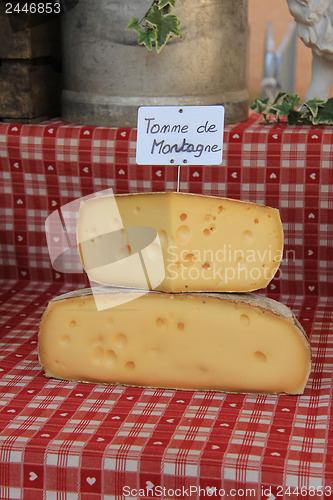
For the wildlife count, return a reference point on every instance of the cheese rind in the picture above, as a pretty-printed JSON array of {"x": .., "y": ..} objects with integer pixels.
[
  {"x": 207, "y": 243},
  {"x": 223, "y": 342}
]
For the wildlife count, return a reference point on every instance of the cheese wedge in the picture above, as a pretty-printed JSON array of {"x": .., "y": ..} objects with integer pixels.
[
  {"x": 223, "y": 342},
  {"x": 179, "y": 242}
]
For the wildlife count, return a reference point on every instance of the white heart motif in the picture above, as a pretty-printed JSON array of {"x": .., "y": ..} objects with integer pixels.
[
  {"x": 45, "y": 435},
  {"x": 196, "y": 174},
  {"x": 16, "y": 165},
  {"x": 311, "y": 216},
  {"x": 116, "y": 418},
  {"x": 20, "y": 238},
  {"x": 314, "y": 137},
  {"x": 170, "y": 420},
  {"x": 79, "y": 394},
  {"x": 11, "y": 411},
  {"x": 56, "y": 239},
  {"x": 63, "y": 414},
  {"x": 311, "y": 288},
  {"x": 100, "y": 439},
  {"x": 157, "y": 442},
  {"x": 149, "y": 485},
  {"x": 50, "y": 167},
  {"x": 159, "y": 173},
  {"x": 275, "y": 136},
  {"x": 121, "y": 172},
  {"x": 272, "y": 286},
  {"x": 281, "y": 430},
  {"x": 180, "y": 401},
  {"x": 310, "y": 252},
  {"x": 31, "y": 392},
  {"x": 86, "y": 170},
  {"x": 32, "y": 476},
  {"x": 224, "y": 425},
  {"x": 233, "y": 405},
  {"x": 129, "y": 398},
  {"x": 275, "y": 454},
  {"x": 19, "y": 202},
  {"x": 313, "y": 175},
  {"x": 215, "y": 447},
  {"x": 272, "y": 176},
  {"x": 91, "y": 480},
  {"x": 234, "y": 175},
  {"x": 86, "y": 132},
  {"x": 210, "y": 490},
  {"x": 14, "y": 129},
  {"x": 50, "y": 130},
  {"x": 123, "y": 134},
  {"x": 57, "y": 275},
  {"x": 53, "y": 203},
  {"x": 235, "y": 136},
  {"x": 24, "y": 273},
  {"x": 285, "y": 409}
]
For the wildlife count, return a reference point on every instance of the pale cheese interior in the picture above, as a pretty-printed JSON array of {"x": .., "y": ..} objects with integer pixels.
[
  {"x": 208, "y": 243},
  {"x": 187, "y": 341}
]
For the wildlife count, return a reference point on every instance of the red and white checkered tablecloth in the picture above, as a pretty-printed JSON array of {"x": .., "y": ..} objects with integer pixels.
[{"x": 62, "y": 440}]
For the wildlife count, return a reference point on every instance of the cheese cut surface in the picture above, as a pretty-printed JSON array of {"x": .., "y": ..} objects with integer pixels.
[
  {"x": 225, "y": 342},
  {"x": 206, "y": 243}
]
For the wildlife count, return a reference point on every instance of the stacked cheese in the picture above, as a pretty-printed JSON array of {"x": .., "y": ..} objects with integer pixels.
[{"x": 162, "y": 317}]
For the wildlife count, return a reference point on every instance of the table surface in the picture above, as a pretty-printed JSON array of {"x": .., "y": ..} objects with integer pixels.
[{"x": 70, "y": 440}]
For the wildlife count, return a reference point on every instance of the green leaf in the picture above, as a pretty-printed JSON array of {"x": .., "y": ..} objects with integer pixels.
[
  {"x": 147, "y": 37},
  {"x": 312, "y": 105},
  {"x": 259, "y": 105},
  {"x": 134, "y": 25},
  {"x": 166, "y": 26},
  {"x": 164, "y": 3},
  {"x": 325, "y": 113}
]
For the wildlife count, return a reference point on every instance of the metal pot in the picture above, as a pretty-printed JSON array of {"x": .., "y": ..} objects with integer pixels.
[{"x": 107, "y": 75}]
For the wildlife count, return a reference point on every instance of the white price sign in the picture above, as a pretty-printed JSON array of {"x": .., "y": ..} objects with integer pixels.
[{"x": 180, "y": 135}]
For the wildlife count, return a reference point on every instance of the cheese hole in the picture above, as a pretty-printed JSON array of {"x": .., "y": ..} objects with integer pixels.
[
  {"x": 109, "y": 321},
  {"x": 163, "y": 236},
  {"x": 240, "y": 259},
  {"x": 137, "y": 210},
  {"x": 183, "y": 217},
  {"x": 189, "y": 259},
  {"x": 247, "y": 235},
  {"x": 162, "y": 322},
  {"x": 65, "y": 339},
  {"x": 72, "y": 324},
  {"x": 183, "y": 233},
  {"x": 245, "y": 320},
  {"x": 130, "y": 366},
  {"x": 206, "y": 232},
  {"x": 180, "y": 326},
  {"x": 120, "y": 341},
  {"x": 124, "y": 252},
  {"x": 212, "y": 227},
  {"x": 221, "y": 209},
  {"x": 256, "y": 221},
  {"x": 154, "y": 251},
  {"x": 206, "y": 265},
  {"x": 260, "y": 356},
  {"x": 116, "y": 223},
  {"x": 110, "y": 357},
  {"x": 97, "y": 355}
]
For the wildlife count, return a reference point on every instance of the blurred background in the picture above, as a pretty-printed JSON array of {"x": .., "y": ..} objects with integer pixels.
[{"x": 261, "y": 11}]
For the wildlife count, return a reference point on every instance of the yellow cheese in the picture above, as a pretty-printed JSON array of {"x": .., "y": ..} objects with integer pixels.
[
  {"x": 200, "y": 341},
  {"x": 195, "y": 243}
]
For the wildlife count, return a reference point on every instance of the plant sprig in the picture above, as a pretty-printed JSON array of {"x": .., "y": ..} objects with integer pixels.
[
  {"x": 157, "y": 26},
  {"x": 288, "y": 107}
]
